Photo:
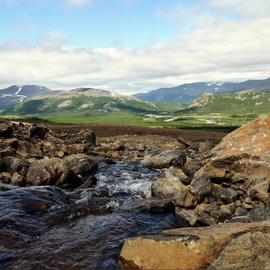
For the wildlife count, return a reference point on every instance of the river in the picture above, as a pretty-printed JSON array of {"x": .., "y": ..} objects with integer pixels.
[{"x": 50, "y": 228}]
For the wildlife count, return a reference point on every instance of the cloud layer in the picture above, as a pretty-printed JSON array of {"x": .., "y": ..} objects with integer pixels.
[{"x": 215, "y": 45}]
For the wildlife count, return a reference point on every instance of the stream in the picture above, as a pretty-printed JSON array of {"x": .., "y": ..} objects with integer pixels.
[{"x": 50, "y": 228}]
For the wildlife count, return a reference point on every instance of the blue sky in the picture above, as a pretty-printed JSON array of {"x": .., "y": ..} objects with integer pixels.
[
  {"x": 132, "y": 45},
  {"x": 99, "y": 24}
]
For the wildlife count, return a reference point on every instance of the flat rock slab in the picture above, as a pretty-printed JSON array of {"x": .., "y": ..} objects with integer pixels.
[{"x": 226, "y": 246}]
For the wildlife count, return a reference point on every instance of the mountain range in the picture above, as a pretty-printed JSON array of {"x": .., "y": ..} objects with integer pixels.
[
  {"x": 83, "y": 101},
  {"x": 187, "y": 93}
]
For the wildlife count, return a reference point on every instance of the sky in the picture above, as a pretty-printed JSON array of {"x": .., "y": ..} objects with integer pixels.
[{"x": 131, "y": 46}]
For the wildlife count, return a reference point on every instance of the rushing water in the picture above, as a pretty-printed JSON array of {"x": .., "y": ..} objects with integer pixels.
[{"x": 48, "y": 228}]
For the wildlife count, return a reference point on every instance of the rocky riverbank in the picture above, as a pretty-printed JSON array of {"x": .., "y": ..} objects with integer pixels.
[
  {"x": 201, "y": 181},
  {"x": 231, "y": 187}
]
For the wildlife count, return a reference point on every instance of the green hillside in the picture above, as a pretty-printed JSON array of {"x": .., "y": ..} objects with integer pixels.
[
  {"x": 81, "y": 104},
  {"x": 246, "y": 102}
]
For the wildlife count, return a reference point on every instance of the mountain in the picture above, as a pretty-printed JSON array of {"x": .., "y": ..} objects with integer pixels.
[
  {"x": 81, "y": 101},
  {"x": 15, "y": 93},
  {"x": 245, "y": 102},
  {"x": 186, "y": 93}
]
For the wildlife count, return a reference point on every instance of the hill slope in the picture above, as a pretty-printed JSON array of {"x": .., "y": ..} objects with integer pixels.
[
  {"x": 186, "y": 93},
  {"x": 246, "y": 102}
]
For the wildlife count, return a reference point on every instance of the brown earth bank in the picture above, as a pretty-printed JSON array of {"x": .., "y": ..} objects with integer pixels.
[{"x": 109, "y": 131}]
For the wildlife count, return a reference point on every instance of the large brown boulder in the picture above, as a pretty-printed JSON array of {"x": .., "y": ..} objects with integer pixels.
[
  {"x": 252, "y": 139},
  {"x": 52, "y": 171},
  {"x": 242, "y": 154},
  {"x": 88, "y": 136},
  {"x": 80, "y": 164},
  {"x": 226, "y": 246},
  {"x": 27, "y": 149},
  {"x": 38, "y": 131}
]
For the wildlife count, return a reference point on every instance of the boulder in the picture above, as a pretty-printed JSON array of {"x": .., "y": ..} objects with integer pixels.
[
  {"x": 242, "y": 154},
  {"x": 38, "y": 131},
  {"x": 88, "y": 136},
  {"x": 226, "y": 246},
  {"x": 5, "y": 131},
  {"x": 185, "y": 218},
  {"x": 77, "y": 148},
  {"x": 27, "y": 149},
  {"x": 169, "y": 184},
  {"x": 52, "y": 171},
  {"x": 166, "y": 159},
  {"x": 80, "y": 164}
]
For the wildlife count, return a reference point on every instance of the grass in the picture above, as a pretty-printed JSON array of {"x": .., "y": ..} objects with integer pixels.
[{"x": 206, "y": 121}]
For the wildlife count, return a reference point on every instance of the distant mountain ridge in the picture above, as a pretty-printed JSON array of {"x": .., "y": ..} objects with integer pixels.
[
  {"x": 187, "y": 93},
  {"x": 17, "y": 93}
]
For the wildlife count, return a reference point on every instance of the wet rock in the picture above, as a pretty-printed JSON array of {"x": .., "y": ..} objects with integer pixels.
[
  {"x": 90, "y": 182},
  {"x": 80, "y": 164},
  {"x": 52, "y": 171},
  {"x": 88, "y": 136},
  {"x": 152, "y": 205},
  {"x": 38, "y": 131},
  {"x": 27, "y": 149},
  {"x": 201, "y": 187},
  {"x": 226, "y": 246},
  {"x": 228, "y": 195},
  {"x": 260, "y": 191},
  {"x": 168, "y": 185},
  {"x": 166, "y": 159}
]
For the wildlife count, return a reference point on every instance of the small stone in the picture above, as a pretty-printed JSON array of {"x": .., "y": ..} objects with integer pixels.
[
  {"x": 201, "y": 187},
  {"x": 115, "y": 154},
  {"x": 228, "y": 195},
  {"x": 222, "y": 214}
]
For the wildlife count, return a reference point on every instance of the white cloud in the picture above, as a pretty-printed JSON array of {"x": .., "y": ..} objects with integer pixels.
[{"x": 215, "y": 47}]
